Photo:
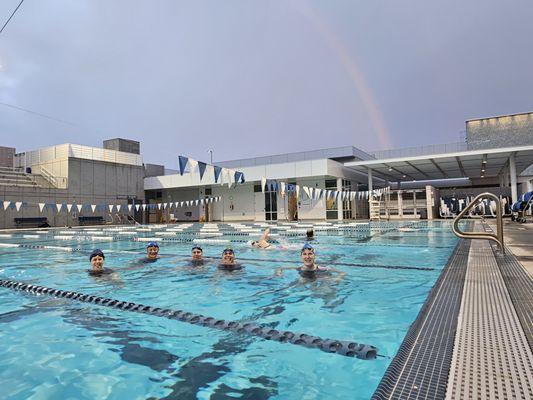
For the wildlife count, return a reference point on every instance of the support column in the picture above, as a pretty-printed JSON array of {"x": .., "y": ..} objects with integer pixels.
[
  {"x": 512, "y": 173},
  {"x": 370, "y": 188},
  {"x": 339, "y": 200},
  {"x": 529, "y": 185}
]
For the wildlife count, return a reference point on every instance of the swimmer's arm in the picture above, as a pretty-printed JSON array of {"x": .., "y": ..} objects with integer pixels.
[
  {"x": 264, "y": 236},
  {"x": 340, "y": 274}
]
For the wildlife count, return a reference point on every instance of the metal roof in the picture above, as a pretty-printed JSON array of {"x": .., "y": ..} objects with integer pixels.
[{"x": 462, "y": 164}]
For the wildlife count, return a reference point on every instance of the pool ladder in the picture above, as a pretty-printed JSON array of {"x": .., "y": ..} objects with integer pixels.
[{"x": 498, "y": 237}]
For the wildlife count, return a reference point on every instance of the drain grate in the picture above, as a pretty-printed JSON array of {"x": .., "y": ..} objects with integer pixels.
[
  {"x": 420, "y": 368},
  {"x": 491, "y": 358}
]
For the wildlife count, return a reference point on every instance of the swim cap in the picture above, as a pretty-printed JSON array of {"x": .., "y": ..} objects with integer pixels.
[
  {"x": 229, "y": 249},
  {"x": 96, "y": 252},
  {"x": 152, "y": 244},
  {"x": 197, "y": 247},
  {"x": 307, "y": 246}
]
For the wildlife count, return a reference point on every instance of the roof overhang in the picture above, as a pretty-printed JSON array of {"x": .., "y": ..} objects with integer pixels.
[{"x": 473, "y": 164}]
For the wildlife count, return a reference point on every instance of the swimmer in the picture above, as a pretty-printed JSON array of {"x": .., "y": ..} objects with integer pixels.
[
  {"x": 228, "y": 260},
  {"x": 152, "y": 251},
  {"x": 310, "y": 234},
  {"x": 262, "y": 243},
  {"x": 197, "y": 256},
  {"x": 97, "y": 258},
  {"x": 310, "y": 269}
]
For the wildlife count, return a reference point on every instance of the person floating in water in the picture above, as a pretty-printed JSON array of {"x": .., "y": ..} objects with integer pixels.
[
  {"x": 228, "y": 260},
  {"x": 197, "y": 255},
  {"x": 97, "y": 258},
  {"x": 310, "y": 234},
  {"x": 310, "y": 269},
  {"x": 152, "y": 251}
]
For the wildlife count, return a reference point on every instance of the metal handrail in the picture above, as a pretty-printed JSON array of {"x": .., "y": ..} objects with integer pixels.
[{"x": 498, "y": 238}]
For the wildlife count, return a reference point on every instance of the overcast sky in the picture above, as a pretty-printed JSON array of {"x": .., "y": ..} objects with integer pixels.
[{"x": 248, "y": 78}]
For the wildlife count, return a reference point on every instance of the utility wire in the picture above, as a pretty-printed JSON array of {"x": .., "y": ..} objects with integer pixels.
[
  {"x": 11, "y": 16},
  {"x": 39, "y": 114}
]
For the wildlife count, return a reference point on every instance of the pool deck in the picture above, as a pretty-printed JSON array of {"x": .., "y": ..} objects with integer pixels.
[{"x": 482, "y": 348}]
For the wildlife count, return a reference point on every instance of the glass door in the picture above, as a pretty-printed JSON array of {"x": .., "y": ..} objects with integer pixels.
[{"x": 271, "y": 206}]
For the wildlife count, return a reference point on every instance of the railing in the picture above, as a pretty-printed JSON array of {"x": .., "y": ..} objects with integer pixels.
[
  {"x": 48, "y": 177},
  {"x": 420, "y": 150},
  {"x": 498, "y": 238}
]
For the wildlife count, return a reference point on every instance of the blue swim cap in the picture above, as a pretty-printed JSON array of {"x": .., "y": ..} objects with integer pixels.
[
  {"x": 152, "y": 244},
  {"x": 96, "y": 252},
  {"x": 307, "y": 246}
]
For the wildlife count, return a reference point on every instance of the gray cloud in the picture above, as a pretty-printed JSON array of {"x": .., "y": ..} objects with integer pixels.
[{"x": 249, "y": 78}]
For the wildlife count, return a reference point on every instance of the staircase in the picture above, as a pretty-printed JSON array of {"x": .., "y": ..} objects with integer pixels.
[{"x": 13, "y": 177}]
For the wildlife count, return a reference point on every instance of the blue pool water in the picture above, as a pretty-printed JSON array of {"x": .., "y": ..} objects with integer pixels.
[{"x": 57, "y": 348}]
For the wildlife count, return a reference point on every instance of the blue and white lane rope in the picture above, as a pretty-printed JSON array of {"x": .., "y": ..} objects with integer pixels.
[{"x": 341, "y": 347}]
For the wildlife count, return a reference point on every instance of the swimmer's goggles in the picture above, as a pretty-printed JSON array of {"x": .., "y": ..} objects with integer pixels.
[
  {"x": 197, "y": 248},
  {"x": 307, "y": 246},
  {"x": 228, "y": 251},
  {"x": 152, "y": 244}
]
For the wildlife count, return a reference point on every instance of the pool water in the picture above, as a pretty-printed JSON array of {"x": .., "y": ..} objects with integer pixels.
[{"x": 58, "y": 348}]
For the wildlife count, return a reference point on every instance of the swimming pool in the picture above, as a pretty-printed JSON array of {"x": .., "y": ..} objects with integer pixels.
[{"x": 58, "y": 348}]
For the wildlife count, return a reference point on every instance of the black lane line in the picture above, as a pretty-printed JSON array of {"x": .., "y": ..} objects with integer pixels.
[{"x": 344, "y": 348}]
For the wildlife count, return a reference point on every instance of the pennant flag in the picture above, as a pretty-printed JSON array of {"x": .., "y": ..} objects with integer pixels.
[
  {"x": 228, "y": 177},
  {"x": 59, "y": 206},
  {"x": 18, "y": 204},
  {"x": 297, "y": 191},
  {"x": 130, "y": 206},
  {"x": 306, "y": 191},
  {"x": 263, "y": 184},
  {"x": 143, "y": 207},
  {"x": 69, "y": 207},
  {"x": 218, "y": 170},
  {"x": 79, "y": 206},
  {"x": 6, "y": 204},
  {"x": 239, "y": 177},
  {"x": 187, "y": 203},
  {"x": 93, "y": 207},
  {"x": 137, "y": 206},
  {"x": 201, "y": 168},
  {"x": 196, "y": 202},
  {"x": 41, "y": 207},
  {"x": 159, "y": 206},
  {"x": 165, "y": 205},
  {"x": 282, "y": 188},
  {"x": 119, "y": 206},
  {"x": 182, "y": 162}
]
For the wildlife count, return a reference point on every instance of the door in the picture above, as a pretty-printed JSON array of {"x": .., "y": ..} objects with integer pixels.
[{"x": 271, "y": 206}]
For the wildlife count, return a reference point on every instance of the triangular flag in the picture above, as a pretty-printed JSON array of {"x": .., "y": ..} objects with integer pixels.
[
  {"x": 69, "y": 207},
  {"x": 6, "y": 204},
  {"x": 41, "y": 206},
  {"x": 137, "y": 206},
  {"x": 297, "y": 191},
  {"x": 159, "y": 206},
  {"x": 130, "y": 206},
  {"x": 263, "y": 184},
  {"x": 143, "y": 207},
  {"x": 119, "y": 206},
  {"x": 195, "y": 202},
  {"x": 182, "y": 163},
  {"x": 217, "y": 171},
  {"x": 306, "y": 191},
  {"x": 18, "y": 204},
  {"x": 110, "y": 207},
  {"x": 59, "y": 206},
  {"x": 79, "y": 206},
  {"x": 201, "y": 168},
  {"x": 93, "y": 208}
]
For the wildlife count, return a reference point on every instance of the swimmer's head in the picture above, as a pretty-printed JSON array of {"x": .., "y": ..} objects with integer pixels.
[
  {"x": 308, "y": 255},
  {"x": 254, "y": 243},
  {"x": 310, "y": 233},
  {"x": 152, "y": 249},
  {"x": 197, "y": 253},
  {"x": 97, "y": 259},
  {"x": 228, "y": 256}
]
